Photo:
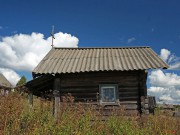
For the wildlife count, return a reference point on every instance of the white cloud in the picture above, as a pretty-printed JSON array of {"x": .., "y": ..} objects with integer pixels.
[
  {"x": 165, "y": 54},
  {"x": 171, "y": 59},
  {"x": 175, "y": 66},
  {"x": 174, "y": 62},
  {"x": 130, "y": 40},
  {"x": 158, "y": 78},
  {"x": 165, "y": 86},
  {"x": 64, "y": 40},
  {"x": 24, "y": 52},
  {"x": 10, "y": 75}
]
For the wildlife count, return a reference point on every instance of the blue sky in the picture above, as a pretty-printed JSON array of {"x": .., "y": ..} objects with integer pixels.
[
  {"x": 102, "y": 23},
  {"x": 98, "y": 22}
]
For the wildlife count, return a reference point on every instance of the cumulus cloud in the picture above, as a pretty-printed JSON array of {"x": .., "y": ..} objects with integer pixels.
[
  {"x": 165, "y": 86},
  {"x": 171, "y": 59},
  {"x": 64, "y": 40},
  {"x": 10, "y": 75},
  {"x": 130, "y": 40},
  {"x": 165, "y": 54},
  {"x": 158, "y": 78},
  {"x": 23, "y": 52}
]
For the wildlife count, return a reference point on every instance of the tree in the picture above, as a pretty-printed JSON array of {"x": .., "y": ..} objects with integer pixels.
[{"x": 22, "y": 81}]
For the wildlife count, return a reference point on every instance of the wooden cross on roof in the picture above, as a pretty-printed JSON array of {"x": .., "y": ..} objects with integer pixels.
[{"x": 52, "y": 35}]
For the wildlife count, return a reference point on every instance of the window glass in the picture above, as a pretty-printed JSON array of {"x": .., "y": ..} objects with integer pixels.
[{"x": 108, "y": 94}]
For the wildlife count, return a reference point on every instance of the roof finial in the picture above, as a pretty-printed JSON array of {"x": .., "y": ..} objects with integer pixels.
[{"x": 52, "y": 35}]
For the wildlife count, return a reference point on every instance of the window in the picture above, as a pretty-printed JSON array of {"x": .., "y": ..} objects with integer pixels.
[{"x": 109, "y": 94}]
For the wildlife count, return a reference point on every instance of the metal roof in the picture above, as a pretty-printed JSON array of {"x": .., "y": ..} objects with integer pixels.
[
  {"x": 75, "y": 60},
  {"x": 4, "y": 82}
]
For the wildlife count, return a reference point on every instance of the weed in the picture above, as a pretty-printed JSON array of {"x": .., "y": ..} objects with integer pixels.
[{"x": 77, "y": 119}]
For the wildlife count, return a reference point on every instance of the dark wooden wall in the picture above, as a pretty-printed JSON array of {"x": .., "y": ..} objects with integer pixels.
[{"x": 84, "y": 87}]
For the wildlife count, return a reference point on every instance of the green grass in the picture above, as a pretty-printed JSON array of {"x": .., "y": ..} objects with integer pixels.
[{"x": 17, "y": 119}]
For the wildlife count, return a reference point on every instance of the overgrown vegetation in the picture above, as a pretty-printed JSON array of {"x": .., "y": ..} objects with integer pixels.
[{"x": 17, "y": 119}]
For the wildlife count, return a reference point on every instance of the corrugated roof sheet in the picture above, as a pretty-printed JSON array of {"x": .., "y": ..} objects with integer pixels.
[
  {"x": 4, "y": 82},
  {"x": 74, "y": 60}
]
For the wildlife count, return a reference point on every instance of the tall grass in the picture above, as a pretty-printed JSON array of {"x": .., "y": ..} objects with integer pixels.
[{"x": 17, "y": 119}]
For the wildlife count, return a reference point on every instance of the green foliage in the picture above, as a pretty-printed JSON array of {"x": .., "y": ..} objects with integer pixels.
[
  {"x": 22, "y": 81},
  {"x": 16, "y": 118}
]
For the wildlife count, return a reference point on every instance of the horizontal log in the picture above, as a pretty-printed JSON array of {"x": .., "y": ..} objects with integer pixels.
[
  {"x": 79, "y": 84},
  {"x": 95, "y": 80},
  {"x": 99, "y": 74},
  {"x": 127, "y": 84},
  {"x": 130, "y": 89},
  {"x": 128, "y": 97},
  {"x": 114, "y": 78},
  {"x": 129, "y": 102},
  {"x": 80, "y": 95},
  {"x": 130, "y": 106},
  {"x": 78, "y": 87},
  {"x": 129, "y": 93},
  {"x": 79, "y": 90},
  {"x": 95, "y": 88},
  {"x": 91, "y": 84},
  {"x": 79, "y": 80},
  {"x": 83, "y": 94}
]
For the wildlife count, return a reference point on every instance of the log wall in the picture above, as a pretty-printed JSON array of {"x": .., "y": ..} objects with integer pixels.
[{"x": 84, "y": 87}]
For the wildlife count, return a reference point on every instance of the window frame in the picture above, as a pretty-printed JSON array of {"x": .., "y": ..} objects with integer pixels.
[{"x": 116, "y": 94}]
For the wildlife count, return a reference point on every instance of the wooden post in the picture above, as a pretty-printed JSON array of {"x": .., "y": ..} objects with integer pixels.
[
  {"x": 30, "y": 96},
  {"x": 140, "y": 91},
  {"x": 56, "y": 93},
  {"x": 145, "y": 80},
  {"x": 143, "y": 92}
]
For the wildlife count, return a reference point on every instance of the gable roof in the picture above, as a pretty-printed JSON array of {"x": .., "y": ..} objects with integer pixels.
[
  {"x": 75, "y": 60},
  {"x": 4, "y": 82}
]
